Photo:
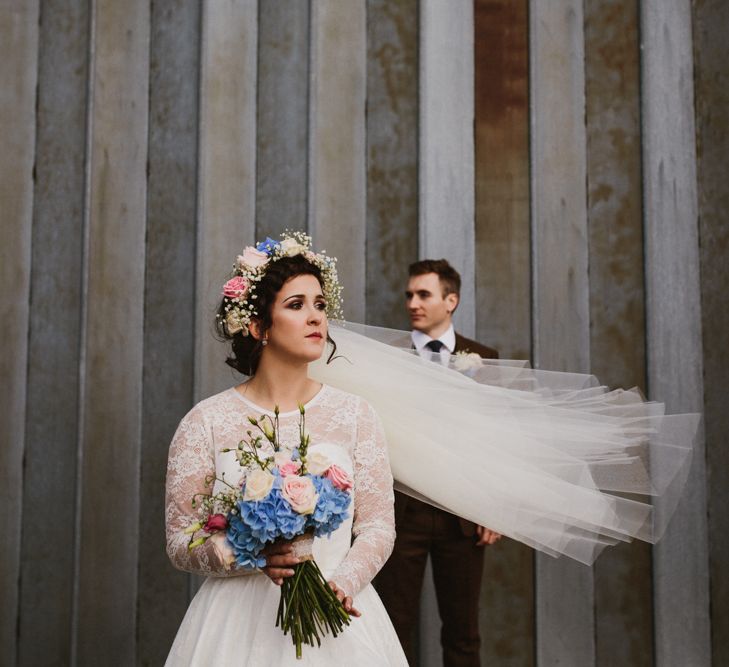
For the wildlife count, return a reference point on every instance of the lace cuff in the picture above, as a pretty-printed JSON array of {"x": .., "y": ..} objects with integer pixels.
[{"x": 374, "y": 520}]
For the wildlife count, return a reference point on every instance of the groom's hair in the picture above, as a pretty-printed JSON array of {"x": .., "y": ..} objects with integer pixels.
[{"x": 450, "y": 280}]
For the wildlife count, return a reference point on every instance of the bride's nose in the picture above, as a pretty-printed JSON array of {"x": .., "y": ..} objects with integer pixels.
[{"x": 315, "y": 316}]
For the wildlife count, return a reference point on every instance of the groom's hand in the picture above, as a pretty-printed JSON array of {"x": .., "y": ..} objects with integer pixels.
[
  {"x": 486, "y": 536},
  {"x": 279, "y": 561}
]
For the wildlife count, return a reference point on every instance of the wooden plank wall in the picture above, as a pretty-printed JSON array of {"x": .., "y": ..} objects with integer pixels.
[
  {"x": 169, "y": 305},
  {"x": 112, "y": 335},
  {"x": 673, "y": 317},
  {"x": 18, "y": 76},
  {"x": 711, "y": 92},
  {"x": 59, "y": 218},
  {"x": 503, "y": 283},
  {"x": 623, "y": 575},
  {"x": 537, "y": 144},
  {"x": 560, "y": 285}
]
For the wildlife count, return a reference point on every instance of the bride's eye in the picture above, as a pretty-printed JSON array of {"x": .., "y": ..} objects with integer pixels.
[
  {"x": 320, "y": 305},
  {"x": 295, "y": 305}
]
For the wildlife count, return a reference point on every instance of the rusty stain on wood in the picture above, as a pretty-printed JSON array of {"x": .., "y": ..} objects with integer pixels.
[{"x": 502, "y": 283}]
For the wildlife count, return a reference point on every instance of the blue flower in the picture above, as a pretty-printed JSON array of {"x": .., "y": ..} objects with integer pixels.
[
  {"x": 331, "y": 507},
  {"x": 268, "y": 246},
  {"x": 245, "y": 546}
]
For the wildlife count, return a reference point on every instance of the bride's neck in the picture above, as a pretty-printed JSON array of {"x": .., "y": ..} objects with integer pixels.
[{"x": 281, "y": 384}]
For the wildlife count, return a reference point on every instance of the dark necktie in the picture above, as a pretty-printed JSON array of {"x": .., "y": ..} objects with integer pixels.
[{"x": 434, "y": 345}]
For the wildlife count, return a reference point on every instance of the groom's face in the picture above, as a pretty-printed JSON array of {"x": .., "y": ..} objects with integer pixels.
[{"x": 429, "y": 310}]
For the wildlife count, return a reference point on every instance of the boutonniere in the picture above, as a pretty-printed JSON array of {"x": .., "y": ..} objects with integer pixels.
[{"x": 465, "y": 360}]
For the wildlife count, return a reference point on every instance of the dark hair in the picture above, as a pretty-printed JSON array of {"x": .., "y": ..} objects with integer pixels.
[
  {"x": 246, "y": 349},
  {"x": 450, "y": 280}
]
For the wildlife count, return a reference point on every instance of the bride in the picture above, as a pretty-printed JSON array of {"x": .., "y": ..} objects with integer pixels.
[
  {"x": 275, "y": 313},
  {"x": 551, "y": 459}
]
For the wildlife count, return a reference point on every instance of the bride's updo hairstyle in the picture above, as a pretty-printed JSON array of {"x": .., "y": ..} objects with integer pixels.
[{"x": 246, "y": 349}]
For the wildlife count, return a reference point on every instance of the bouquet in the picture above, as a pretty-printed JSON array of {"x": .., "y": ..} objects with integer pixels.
[{"x": 290, "y": 495}]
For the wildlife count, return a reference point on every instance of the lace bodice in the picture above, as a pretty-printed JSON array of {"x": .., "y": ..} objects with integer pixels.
[{"x": 334, "y": 417}]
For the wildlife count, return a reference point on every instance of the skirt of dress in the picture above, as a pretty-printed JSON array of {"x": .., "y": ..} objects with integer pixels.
[{"x": 231, "y": 623}]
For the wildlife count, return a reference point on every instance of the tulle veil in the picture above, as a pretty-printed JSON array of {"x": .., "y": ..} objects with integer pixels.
[{"x": 551, "y": 459}]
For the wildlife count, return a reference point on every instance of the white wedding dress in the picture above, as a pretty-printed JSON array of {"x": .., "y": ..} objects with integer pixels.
[{"x": 231, "y": 620}]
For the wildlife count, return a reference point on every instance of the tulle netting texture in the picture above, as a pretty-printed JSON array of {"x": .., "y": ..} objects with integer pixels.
[{"x": 551, "y": 459}]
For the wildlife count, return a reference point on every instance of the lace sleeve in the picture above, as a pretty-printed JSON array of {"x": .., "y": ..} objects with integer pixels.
[
  {"x": 374, "y": 520},
  {"x": 191, "y": 460}
]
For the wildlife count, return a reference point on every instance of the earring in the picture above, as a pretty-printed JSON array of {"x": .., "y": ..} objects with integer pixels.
[{"x": 264, "y": 342}]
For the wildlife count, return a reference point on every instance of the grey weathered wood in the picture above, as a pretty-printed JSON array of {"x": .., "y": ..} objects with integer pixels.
[
  {"x": 561, "y": 314},
  {"x": 19, "y": 57},
  {"x": 226, "y": 172},
  {"x": 337, "y": 176},
  {"x": 711, "y": 80},
  {"x": 623, "y": 591},
  {"x": 49, "y": 480},
  {"x": 169, "y": 317},
  {"x": 446, "y": 188},
  {"x": 112, "y": 363},
  {"x": 673, "y": 316},
  {"x": 446, "y": 191},
  {"x": 392, "y": 157},
  {"x": 283, "y": 117},
  {"x": 503, "y": 299}
]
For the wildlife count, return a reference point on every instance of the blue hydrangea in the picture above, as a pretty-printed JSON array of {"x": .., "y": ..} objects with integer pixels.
[
  {"x": 268, "y": 246},
  {"x": 246, "y": 547},
  {"x": 331, "y": 507}
]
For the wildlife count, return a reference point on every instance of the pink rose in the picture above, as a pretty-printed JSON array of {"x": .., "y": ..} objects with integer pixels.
[
  {"x": 235, "y": 288},
  {"x": 252, "y": 258},
  {"x": 215, "y": 522},
  {"x": 289, "y": 468},
  {"x": 300, "y": 493},
  {"x": 339, "y": 478}
]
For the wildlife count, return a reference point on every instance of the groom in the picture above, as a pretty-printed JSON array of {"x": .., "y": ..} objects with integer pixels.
[{"x": 455, "y": 545}]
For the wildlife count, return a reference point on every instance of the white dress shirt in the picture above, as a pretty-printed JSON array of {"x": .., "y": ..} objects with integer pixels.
[{"x": 448, "y": 338}]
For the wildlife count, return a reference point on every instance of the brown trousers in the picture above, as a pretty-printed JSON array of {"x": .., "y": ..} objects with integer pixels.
[{"x": 457, "y": 569}]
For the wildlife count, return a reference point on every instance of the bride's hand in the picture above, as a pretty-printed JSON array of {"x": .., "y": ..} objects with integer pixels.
[
  {"x": 279, "y": 561},
  {"x": 344, "y": 599}
]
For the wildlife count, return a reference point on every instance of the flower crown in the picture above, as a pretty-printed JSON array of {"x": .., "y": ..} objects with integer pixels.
[{"x": 240, "y": 291}]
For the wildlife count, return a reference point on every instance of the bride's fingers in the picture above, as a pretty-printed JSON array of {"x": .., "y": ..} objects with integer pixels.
[{"x": 347, "y": 604}]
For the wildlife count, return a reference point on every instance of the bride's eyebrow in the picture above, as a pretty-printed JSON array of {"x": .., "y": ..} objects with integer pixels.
[{"x": 301, "y": 296}]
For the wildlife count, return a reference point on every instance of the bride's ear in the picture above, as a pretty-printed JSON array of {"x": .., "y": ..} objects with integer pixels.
[{"x": 255, "y": 329}]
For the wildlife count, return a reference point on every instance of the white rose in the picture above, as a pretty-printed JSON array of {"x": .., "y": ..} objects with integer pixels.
[
  {"x": 223, "y": 550},
  {"x": 317, "y": 464},
  {"x": 291, "y": 247},
  {"x": 280, "y": 458},
  {"x": 466, "y": 361},
  {"x": 258, "y": 484}
]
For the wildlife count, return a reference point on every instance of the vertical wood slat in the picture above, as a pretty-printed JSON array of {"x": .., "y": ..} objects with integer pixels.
[
  {"x": 561, "y": 316},
  {"x": 711, "y": 53},
  {"x": 109, "y": 531},
  {"x": 503, "y": 300},
  {"x": 623, "y": 591},
  {"x": 227, "y": 171},
  {"x": 673, "y": 316},
  {"x": 502, "y": 176},
  {"x": 337, "y": 176},
  {"x": 18, "y": 75},
  {"x": 169, "y": 313},
  {"x": 392, "y": 157},
  {"x": 47, "y": 570},
  {"x": 446, "y": 191},
  {"x": 282, "y": 117}
]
